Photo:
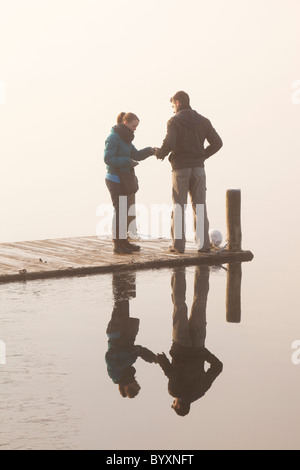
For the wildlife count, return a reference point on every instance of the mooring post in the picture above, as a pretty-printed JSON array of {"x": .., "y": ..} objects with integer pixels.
[
  {"x": 233, "y": 292},
  {"x": 233, "y": 215}
]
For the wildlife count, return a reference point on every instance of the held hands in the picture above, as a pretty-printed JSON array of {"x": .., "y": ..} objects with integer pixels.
[
  {"x": 162, "y": 359},
  {"x": 154, "y": 150},
  {"x": 157, "y": 153}
]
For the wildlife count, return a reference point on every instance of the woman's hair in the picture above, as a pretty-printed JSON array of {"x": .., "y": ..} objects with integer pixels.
[
  {"x": 128, "y": 117},
  {"x": 122, "y": 391},
  {"x": 131, "y": 390}
]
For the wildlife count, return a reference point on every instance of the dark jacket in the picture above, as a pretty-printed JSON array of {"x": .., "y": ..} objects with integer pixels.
[
  {"x": 186, "y": 135},
  {"x": 120, "y": 359},
  {"x": 188, "y": 379},
  {"x": 122, "y": 352}
]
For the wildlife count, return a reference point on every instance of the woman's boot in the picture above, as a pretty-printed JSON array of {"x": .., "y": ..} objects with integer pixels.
[
  {"x": 121, "y": 248},
  {"x": 131, "y": 246}
]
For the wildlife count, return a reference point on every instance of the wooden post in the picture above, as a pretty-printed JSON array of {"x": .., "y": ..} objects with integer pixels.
[
  {"x": 233, "y": 292},
  {"x": 233, "y": 214}
]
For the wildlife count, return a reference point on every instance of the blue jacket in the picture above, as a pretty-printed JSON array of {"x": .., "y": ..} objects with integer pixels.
[{"x": 118, "y": 155}]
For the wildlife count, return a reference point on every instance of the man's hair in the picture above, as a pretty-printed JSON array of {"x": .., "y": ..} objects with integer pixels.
[
  {"x": 182, "y": 97},
  {"x": 183, "y": 409}
]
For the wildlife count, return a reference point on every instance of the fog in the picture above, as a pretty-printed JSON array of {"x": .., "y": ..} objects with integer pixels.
[{"x": 67, "y": 68}]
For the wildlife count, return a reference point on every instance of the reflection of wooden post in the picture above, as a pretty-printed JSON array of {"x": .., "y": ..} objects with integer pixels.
[
  {"x": 233, "y": 292},
  {"x": 233, "y": 213}
]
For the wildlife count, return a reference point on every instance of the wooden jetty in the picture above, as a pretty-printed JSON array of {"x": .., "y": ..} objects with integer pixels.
[{"x": 62, "y": 257}]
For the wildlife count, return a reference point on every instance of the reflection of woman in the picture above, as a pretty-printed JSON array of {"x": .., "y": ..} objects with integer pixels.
[
  {"x": 121, "y": 332},
  {"x": 122, "y": 353},
  {"x": 121, "y": 156}
]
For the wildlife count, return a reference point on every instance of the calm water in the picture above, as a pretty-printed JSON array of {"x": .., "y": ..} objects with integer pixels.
[{"x": 56, "y": 392}]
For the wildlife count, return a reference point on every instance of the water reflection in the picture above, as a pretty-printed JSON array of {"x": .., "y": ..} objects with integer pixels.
[
  {"x": 188, "y": 377},
  {"x": 233, "y": 292},
  {"x": 122, "y": 331},
  {"x": 192, "y": 368}
]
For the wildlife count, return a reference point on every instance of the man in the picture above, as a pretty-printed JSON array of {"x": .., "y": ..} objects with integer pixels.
[{"x": 186, "y": 134}]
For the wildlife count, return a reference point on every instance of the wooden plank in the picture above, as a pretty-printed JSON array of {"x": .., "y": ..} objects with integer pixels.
[
  {"x": 42, "y": 250},
  {"x": 21, "y": 259},
  {"x": 30, "y": 257},
  {"x": 62, "y": 253},
  {"x": 90, "y": 255}
]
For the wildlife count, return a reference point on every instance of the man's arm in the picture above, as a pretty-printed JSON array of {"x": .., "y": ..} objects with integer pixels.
[
  {"x": 169, "y": 141},
  {"x": 164, "y": 363},
  {"x": 214, "y": 140},
  {"x": 215, "y": 369}
]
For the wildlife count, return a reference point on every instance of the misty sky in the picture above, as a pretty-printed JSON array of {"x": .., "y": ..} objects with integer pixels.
[{"x": 70, "y": 66}]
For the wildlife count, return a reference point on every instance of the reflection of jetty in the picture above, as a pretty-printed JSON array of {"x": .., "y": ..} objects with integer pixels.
[{"x": 90, "y": 255}]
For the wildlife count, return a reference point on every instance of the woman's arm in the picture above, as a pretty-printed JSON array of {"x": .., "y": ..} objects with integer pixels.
[
  {"x": 146, "y": 354},
  {"x": 139, "y": 155}
]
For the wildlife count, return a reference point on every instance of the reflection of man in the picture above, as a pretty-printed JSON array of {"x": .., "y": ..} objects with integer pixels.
[
  {"x": 122, "y": 331},
  {"x": 188, "y": 379}
]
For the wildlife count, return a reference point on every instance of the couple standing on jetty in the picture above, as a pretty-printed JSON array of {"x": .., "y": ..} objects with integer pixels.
[{"x": 187, "y": 132}]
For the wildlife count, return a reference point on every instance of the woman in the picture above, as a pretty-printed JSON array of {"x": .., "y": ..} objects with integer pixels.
[{"x": 121, "y": 156}]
